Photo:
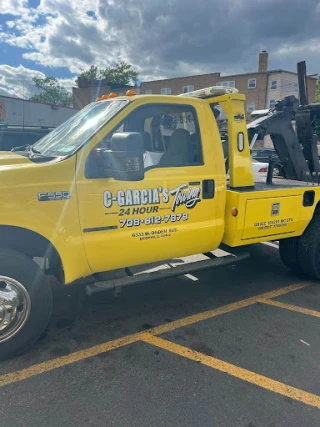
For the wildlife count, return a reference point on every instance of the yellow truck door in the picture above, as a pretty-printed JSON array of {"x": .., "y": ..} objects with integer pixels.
[{"x": 174, "y": 211}]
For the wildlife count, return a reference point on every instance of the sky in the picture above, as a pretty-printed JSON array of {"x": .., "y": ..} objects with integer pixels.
[{"x": 160, "y": 38}]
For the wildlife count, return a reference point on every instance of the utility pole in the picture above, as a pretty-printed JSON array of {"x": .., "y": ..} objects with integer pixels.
[{"x": 23, "y": 138}]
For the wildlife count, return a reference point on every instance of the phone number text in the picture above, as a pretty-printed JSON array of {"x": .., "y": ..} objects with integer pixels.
[{"x": 136, "y": 222}]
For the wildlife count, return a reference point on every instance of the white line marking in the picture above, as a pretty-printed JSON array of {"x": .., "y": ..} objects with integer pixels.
[
  {"x": 220, "y": 253},
  {"x": 191, "y": 277},
  {"x": 303, "y": 342},
  {"x": 273, "y": 245}
]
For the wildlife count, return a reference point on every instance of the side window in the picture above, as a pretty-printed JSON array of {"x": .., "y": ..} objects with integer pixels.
[
  {"x": 105, "y": 142},
  {"x": 222, "y": 122},
  {"x": 221, "y": 118},
  {"x": 170, "y": 135}
]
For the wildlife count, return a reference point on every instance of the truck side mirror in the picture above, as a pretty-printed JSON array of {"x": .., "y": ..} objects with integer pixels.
[{"x": 124, "y": 161}]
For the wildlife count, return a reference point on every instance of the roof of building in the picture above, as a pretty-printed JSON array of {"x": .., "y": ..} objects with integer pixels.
[
  {"x": 84, "y": 83},
  {"x": 265, "y": 72},
  {"x": 35, "y": 102},
  {"x": 227, "y": 76},
  {"x": 183, "y": 77}
]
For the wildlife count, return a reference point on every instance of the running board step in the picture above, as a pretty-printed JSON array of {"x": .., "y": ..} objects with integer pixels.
[{"x": 181, "y": 270}]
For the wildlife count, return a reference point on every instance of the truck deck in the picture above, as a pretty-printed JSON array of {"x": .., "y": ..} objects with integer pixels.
[{"x": 277, "y": 183}]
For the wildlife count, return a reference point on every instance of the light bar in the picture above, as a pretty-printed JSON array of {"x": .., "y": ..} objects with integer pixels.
[{"x": 211, "y": 91}]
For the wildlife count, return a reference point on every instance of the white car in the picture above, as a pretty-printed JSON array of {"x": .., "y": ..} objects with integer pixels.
[{"x": 259, "y": 168}]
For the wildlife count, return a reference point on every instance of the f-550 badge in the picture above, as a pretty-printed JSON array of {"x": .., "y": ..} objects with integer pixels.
[{"x": 54, "y": 195}]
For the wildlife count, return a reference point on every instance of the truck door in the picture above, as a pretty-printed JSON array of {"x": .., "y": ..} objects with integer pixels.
[{"x": 171, "y": 212}]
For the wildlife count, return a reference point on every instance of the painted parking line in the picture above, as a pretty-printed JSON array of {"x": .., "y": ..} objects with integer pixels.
[
  {"x": 235, "y": 371},
  {"x": 190, "y": 320},
  {"x": 273, "y": 245},
  {"x": 130, "y": 339},
  {"x": 289, "y": 307},
  {"x": 41, "y": 368}
]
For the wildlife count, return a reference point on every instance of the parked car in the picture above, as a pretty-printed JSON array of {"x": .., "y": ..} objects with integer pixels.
[
  {"x": 259, "y": 168},
  {"x": 267, "y": 154}
]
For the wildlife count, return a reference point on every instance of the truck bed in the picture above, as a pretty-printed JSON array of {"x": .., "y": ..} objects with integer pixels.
[
  {"x": 277, "y": 184},
  {"x": 269, "y": 211}
]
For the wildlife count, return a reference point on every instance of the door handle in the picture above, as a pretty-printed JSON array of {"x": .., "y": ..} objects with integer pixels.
[{"x": 208, "y": 188}]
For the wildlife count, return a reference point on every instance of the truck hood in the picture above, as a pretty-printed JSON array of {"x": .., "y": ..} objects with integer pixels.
[
  {"x": 12, "y": 158},
  {"x": 17, "y": 171}
]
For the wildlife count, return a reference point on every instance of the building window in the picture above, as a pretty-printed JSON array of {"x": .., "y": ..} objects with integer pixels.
[
  {"x": 166, "y": 91},
  {"x": 290, "y": 87},
  {"x": 252, "y": 83},
  {"x": 274, "y": 84},
  {"x": 187, "y": 89},
  {"x": 272, "y": 103},
  {"x": 251, "y": 106},
  {"x": 148, "y": 92},
  {"x": 230, "y": 83}
]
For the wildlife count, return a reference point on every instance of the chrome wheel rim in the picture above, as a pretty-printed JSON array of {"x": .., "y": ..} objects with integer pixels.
[
  {"x": 276, "y": 172},
  {"x": 15, "y": 307}
]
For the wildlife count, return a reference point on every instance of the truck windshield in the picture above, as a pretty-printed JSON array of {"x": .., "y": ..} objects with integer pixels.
[{"x": 75, "y": 132}]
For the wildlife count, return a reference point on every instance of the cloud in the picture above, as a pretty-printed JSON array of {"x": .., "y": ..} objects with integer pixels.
[
  {"x": 10, "y": 24},
  {"x": 13, "y": 7},
  {"x": 17, "y": 81},
  {"x": 167, "y": 38}
]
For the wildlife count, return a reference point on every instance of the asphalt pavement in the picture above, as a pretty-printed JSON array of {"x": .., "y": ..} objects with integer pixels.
[{"x": 219, "y": 348}]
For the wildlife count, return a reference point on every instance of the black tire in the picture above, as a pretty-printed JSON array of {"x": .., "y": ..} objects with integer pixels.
[
  {"x": 25, "y": 271},
  {"x": 277, "y": 171},
  {"x": 309, "y": 248},
  {"x": 288, "y": 250}
]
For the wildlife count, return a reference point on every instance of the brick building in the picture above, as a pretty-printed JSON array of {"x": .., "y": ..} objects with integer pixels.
[
  {"x": 89, "y": 90},
  {"x": 262, "y": 88}
]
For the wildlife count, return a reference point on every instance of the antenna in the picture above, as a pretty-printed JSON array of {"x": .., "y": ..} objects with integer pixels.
[{"x": 302, "y": 80}]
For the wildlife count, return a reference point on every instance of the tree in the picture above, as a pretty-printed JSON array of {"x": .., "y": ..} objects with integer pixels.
[
  {"x": 52, "y": 92},
  {"x": 120, "y": 73},
  {"x": 91, "y": 74}
]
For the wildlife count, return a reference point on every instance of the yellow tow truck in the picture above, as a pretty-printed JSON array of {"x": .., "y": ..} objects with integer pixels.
[{"x": 134, "y": 180}]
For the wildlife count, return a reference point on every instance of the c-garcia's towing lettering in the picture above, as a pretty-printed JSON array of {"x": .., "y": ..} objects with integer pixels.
[
  {"x": 182, "y": 195},
  {"x": 189, "y": 199},
  {"x": 150, "y": 196}
]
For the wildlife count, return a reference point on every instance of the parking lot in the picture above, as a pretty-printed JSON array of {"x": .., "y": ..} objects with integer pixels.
[{"x": 220, "y": 348}]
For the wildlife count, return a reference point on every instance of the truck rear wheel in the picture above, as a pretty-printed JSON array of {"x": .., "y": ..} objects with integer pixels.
[
  {"x": 309, "y": 248},
  {"x": 288, "y": 250},
  {"x": 25, "y": 303}
]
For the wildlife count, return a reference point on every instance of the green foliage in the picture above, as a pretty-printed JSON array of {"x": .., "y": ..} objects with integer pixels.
[
  {"x": 120, "y": 73},
  {"x": 91, "y": 74},
  {"x": 51, "y": 92}
]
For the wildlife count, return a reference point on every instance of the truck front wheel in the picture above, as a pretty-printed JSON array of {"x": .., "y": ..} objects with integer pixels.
[
  {"x": 309, "y": 248},
  {"x": 25, "y": 303},
  {"x": 288, "y": 249}
]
